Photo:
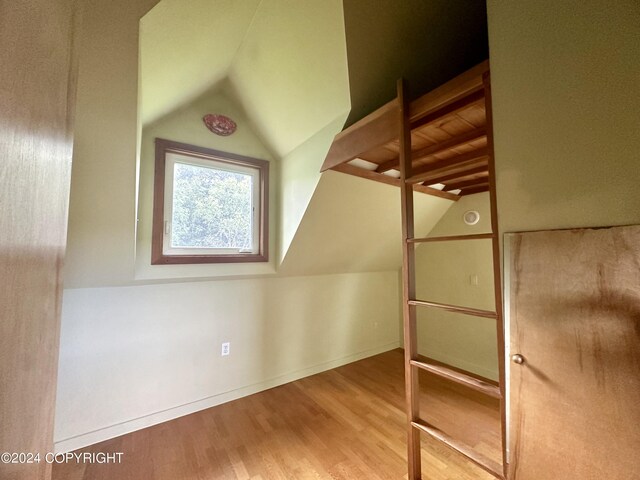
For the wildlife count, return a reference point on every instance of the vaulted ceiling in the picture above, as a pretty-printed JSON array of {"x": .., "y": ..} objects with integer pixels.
[
  {"x": 286, "y": 62},
  {"x": 296, "y": 66},
  {"x": 186, "y": 51}
]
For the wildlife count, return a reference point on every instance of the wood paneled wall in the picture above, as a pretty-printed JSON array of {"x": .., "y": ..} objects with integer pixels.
[{"x": 37, "y": 88}]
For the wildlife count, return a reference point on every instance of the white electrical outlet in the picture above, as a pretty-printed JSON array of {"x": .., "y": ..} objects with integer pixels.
[
  {"x": 225, "y": 349},
  {"x": 473, "y": 280}
]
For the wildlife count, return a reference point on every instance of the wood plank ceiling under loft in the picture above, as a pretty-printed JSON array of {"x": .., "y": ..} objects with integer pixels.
[{"x": 448, "y": 141}]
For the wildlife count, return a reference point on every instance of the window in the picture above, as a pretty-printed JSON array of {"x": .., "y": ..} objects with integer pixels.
[{"x": 209, "y": 206}]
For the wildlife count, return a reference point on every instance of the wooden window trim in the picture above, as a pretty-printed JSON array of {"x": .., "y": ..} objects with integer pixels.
[{"x": 168, "y": 146}]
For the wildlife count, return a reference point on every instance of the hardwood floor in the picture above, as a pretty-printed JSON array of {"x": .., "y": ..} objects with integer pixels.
[{"x": 346, "y": 423}]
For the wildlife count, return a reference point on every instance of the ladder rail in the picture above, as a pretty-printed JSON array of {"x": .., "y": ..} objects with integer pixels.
[
  {"x": 409, "y": 287},
  {"x": 497, "y": 278}
]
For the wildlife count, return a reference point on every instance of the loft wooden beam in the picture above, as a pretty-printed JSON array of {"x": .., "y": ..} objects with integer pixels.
[
  {"x": 382, "y": 126},
  {"x": 472, "y": 191},
  {"x": 364, "y": 173},
  {"x": 454, "y": 142},
  {"x": 455, "y": 175},
  {"x": 435, "y": 192},
  {"x": 469, "y": 159},
  {"x": 474, "y": 98},
  {"x": 425, "y": 152},
  {"x": 461, "y": 167},
  {"x": 372, "y": 131},
  {"x": 461, "y": 86},
  {"x": 461, "y": 159},
  {"x": 473, "y": 183},
  {"x": 379, "y": 177}
]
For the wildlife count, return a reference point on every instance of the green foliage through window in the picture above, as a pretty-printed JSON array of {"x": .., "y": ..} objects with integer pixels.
[{"x": 212, "y": 208}]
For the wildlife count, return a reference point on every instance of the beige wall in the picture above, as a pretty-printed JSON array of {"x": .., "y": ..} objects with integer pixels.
[
  {"x": 185, "y": 125},
  {"x": 299, "y": 177},
  {"x": 136, "y": 349},
  {"x": 353, "y": 225},
  {"x": 566, "y": 77},
  {"x": 101, "y": 237},
  {"x": 443, "y": 274},
  {"x": 134, "y": 356}
]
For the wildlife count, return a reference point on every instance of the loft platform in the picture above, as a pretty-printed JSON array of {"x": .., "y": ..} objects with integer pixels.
[{"x": 449, "y": 153}]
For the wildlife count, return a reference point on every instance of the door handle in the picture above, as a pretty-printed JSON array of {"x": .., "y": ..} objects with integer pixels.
[{"x": 517, "y": 358}]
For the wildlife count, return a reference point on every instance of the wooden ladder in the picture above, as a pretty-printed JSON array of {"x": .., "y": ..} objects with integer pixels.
[{"x": 415, "y": 424}]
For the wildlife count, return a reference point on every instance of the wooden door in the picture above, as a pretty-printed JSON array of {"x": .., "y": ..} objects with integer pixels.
[
  {"x": 36, "y": 100},
  {"x": 575, "y": 320}
]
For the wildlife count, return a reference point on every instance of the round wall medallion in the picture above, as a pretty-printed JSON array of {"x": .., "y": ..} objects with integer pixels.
[
  {"x": 471, "y": 217},
  {"x": 219, "y": 124}
]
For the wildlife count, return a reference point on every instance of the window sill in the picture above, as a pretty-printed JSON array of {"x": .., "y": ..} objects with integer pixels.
[{"x": 198, "y": 259}]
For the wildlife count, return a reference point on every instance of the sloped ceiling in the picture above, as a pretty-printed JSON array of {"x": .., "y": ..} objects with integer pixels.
[
  {"x": 290, "y": 73},
  {"x": 280, "y": 53},
  {"x": 353, "y": 225},
  {"x": 185, "y": 51},
  {"x": 285, "y": 61}
]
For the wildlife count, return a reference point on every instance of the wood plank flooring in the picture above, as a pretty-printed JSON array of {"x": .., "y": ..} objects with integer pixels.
[{"x": 346, "y": 423}]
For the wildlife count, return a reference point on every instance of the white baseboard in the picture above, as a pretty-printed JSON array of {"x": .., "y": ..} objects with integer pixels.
[{"x": 112, "y": 431}]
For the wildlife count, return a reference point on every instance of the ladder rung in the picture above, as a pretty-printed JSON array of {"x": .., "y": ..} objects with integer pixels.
[
  {"x": 483, "y": 462},
  {"x": 476, "y": 236},
  {"x": 454, "y": 308},
  {"x": 461, "y": 378}
]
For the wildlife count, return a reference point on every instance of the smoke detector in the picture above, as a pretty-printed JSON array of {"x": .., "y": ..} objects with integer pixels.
[{"x": 471, "y": 217}]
